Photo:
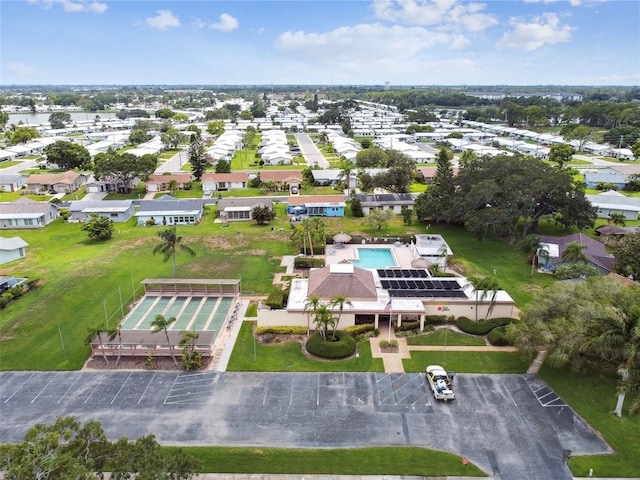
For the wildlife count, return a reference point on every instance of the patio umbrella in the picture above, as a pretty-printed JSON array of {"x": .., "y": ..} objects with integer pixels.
[
  {"x": 341, "y": 238},
  {"x": 420, "y": 263}
]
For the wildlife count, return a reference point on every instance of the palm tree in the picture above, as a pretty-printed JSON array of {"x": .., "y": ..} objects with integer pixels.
[
  {"x": 311, "y": 306},
  {"x": 443, "y": 251},
  {"x": 188, "y": 340},
  {"x": 339, "y": 301},
  {"x": 169, "y": 245},
  {"x": 574, "y": 253},
  {"x": 620, "y": 341},
  {"x": 484, "y": 285},
  {"x": 97, "y": 332},
  {"x": 113, "y": 333},
  {"x": 161, "y": 323},
  {"x": 324, "y": 320}
]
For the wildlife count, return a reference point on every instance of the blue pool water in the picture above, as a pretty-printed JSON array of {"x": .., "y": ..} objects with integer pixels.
[{"x": 374, "y": 258}]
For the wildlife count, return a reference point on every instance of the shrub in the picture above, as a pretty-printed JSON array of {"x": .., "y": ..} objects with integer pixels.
[
  {"x": 482, "y": 327},
  {"x": 356, "y": 330},
  {"x": 413, "y": 325},
  {"x": 388, "y": 344},
  {"x": 308, "y": 262},
  {"x": 282, "y": 330},
  {"x": 344, "y": 346},
  {"x": 576, "y": 270},
  {"x": 497, "y": 337},
  {"x": 275, "y": 300},
  {"x": 439, "y": 319}
]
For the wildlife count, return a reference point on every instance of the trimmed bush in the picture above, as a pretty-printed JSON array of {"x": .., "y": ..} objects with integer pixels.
[
  {"x": 275, "y": 300},
  {"x": 497, "y": 337},
  {"x": 439, "y": 319},
  {"x": 407, "y": 326},
  {"x": 308, "y": 262},
  {"x": 344, "y": 346},
  {"x": 576, "y": 270},
  {"x": 282, "y": 330},
  {"x": 356, "y": 330},
  {"x": 481, "y": 327}
]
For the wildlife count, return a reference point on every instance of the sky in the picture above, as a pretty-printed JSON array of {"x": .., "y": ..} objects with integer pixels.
[{"x": 337, "y": 42}]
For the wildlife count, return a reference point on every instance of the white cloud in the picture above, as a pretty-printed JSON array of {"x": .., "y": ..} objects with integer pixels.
[
  {"x": 226, "y": 23},
  {"x": 446, "y": 14},
  {"x": 20, "y": 69},
  {"x": 544, "y": 30},
  {"x": 72, "y": 6},
  {"x": 163, "y": 19},
  {"x": 573, "y": 3},
  {"x": 362, "y": 43}
]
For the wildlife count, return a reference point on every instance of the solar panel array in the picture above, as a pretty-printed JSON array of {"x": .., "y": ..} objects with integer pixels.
[
  {"x": 411, "y": 283},
  {"x": 402, "y": 273}
]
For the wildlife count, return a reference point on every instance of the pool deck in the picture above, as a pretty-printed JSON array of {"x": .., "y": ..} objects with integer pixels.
[{"x": 402, "y": 254}]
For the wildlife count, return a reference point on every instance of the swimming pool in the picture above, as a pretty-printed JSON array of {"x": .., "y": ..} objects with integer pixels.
[{"x": 374, "y": 258}]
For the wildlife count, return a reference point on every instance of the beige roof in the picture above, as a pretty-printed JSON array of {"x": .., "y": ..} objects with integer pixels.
[
  {"x": 281, "y": 175},
  {"x": 178, "y": 177},
  {"x": 67, "y": 177},
  {"x": 358, "y": 285}
]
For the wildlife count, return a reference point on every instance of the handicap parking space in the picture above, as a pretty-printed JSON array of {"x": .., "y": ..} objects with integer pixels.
[{"x": 401, "y": 392}]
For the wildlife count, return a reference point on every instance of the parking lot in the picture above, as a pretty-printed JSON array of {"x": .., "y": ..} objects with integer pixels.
[{"x": 512, "y": 426}]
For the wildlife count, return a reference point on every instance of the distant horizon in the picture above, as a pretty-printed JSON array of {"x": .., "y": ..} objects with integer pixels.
[
  {"x": 320, "y": 42},
  {"x": 318, "y": 85}
]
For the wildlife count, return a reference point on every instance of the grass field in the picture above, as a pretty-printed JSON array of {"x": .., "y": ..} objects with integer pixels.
[
  {"x": 593, "y": 395},
  {"x": 439, "y": 336},
  {"x": 348, "y": 461},
  {"x": 251, "y": 356},
  {"x": 467, "y": 362}
]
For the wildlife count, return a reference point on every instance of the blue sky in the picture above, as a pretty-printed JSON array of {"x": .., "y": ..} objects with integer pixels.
[{"x": 339, "y": 42}]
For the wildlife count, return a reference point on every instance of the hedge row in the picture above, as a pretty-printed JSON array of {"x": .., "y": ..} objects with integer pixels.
[
  {"x": 356, "y": 330},
  {"x": 497, "y": 337},
  {"x": 275, "y": 300},
  {"x": 439, "y": 319},
  {"x": 308, "y": 262},
  {"x": 412, "y": 325},
  {"x": 282, "y": 330},
  {"x": 344, "y": 346},
  {"x": 481, "y": 327}
]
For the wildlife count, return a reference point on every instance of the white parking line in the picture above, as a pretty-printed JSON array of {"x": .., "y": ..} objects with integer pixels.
[
  {"x": 69, "y": 389},
  {"x": 43, "y": 389},
  {"x": 147, "y": 387},
  {"x": 121, "y": 387},
  {"x": 18, "y": 389}
]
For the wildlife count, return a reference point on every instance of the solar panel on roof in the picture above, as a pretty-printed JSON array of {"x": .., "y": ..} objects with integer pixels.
[
  {"x": 385, "y": 284},
  {"x": 382, "y": 273}
]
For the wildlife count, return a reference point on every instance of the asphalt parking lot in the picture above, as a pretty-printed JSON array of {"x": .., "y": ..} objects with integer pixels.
[{"x": 512, "y": 426}]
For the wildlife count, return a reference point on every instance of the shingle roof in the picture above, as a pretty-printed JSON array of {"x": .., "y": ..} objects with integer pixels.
[
  {"x": 67, "y": 177},
  {"x": 357, "y": 285}
]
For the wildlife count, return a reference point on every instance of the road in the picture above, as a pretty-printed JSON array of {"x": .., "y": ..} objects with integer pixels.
[
  {"x": 512, "y": 426},
  {"x": 310, "y": 151}
]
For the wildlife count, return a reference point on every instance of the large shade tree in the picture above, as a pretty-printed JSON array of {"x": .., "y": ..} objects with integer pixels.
[
  {"x": 597, "y": 319},
  {"x": 126, "y": 167},
  {"x": 67, "y": 155}
]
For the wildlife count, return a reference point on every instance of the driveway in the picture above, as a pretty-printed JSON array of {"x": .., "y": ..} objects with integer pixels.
[{"x": 512, "y": 426}]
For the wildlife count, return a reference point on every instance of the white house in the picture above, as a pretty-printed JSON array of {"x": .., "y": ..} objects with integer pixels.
[
  {"x": 26, "y": 213},
  {"x": 12, "y": 183},
  {"x": 611, "y": 202},
  {"x": 12, "y": 249}
]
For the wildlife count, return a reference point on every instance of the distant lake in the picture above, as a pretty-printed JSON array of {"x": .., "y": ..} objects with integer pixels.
[{"x": 43, "y": 118}]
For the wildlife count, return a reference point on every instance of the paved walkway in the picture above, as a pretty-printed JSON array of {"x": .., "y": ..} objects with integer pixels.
[{"x": 393, "y": 360}]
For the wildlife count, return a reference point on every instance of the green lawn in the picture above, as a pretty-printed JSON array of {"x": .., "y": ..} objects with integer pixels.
[
  {"x": 348, "y": 461},
  {"x": 593, "y": 395},
  {"x": 250, "y": 356},
  {"x": 437, "y": 337},
  {"x": 9, "y": 163},
  {"x": 467, "y": 362},
  {"x": 79, "y": 277}
]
